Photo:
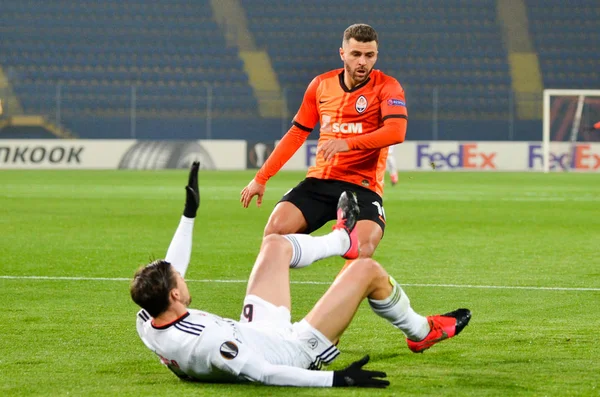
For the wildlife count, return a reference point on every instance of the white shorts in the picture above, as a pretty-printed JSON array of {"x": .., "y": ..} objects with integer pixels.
[
  {"x": 298, "y": 344},
  {"x": 258, "y": 310}
]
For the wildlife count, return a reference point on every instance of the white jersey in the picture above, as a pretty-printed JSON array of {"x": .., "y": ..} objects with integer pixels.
[{"x": 201, "y": 346}]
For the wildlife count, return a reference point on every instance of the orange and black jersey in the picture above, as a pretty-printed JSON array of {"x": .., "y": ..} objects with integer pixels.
[{"x": 370, "y": 116}]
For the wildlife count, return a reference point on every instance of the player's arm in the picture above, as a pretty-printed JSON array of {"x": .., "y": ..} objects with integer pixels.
[
  {"x": 180, "y": 249},
  {"x": 285, "y": 149},
  {"x": 282, "y": 375},
  {"x": 236, "y": 358},
  {"x": 228, "y": 354},
  {"x": 394, "y": 116},
  {"x": 303, "y": 124}
]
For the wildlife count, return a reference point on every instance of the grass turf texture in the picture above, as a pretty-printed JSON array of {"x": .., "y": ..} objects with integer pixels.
[{"x": 78, "y": 337}]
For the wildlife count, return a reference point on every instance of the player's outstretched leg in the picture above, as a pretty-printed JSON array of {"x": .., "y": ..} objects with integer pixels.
[
  {"x": 442, "y": 327},
  {"x": 421, "y": 332},
  {"x": 279, "y": 253},
  {"x": 343, "y": 240},
  {"x": 365, "y": 278}
]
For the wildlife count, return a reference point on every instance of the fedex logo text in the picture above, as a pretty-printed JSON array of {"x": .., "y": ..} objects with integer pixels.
[
  {"x": 468, "y": 156},
  {"x": 579, "y": 159}
]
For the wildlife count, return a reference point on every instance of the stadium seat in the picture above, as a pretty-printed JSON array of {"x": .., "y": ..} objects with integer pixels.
[
  {"x": 87, "y": 56},
  {"x": 567, "y": 39}
]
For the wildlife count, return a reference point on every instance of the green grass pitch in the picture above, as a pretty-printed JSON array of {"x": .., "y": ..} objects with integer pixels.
[{"x": 520, "y": 250}]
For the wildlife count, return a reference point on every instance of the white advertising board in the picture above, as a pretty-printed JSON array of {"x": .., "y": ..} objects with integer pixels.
[
  {"x": 124, "y": 154},
  {"x": 477, "y": 156}
]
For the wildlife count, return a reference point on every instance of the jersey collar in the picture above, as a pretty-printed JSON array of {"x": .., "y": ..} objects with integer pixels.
[
  {"x": 356, "y": 87},
  {"x": 167, "y": 325}
]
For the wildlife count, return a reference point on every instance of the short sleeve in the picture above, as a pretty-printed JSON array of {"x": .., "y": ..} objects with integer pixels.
[
  {"x": 308, "y": 114},
  {"x": 393, "y": 102}
]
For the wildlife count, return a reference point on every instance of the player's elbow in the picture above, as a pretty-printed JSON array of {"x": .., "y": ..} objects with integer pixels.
[
  {"x": 399, "y": 135},
  {"x": 398, "y": 131}
]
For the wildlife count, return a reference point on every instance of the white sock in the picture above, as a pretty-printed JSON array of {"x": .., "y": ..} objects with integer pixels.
[
  {"x": 396, "y": 309},
  {"x": 180, "y": 249},
  {"x": 308, "y": 249}
]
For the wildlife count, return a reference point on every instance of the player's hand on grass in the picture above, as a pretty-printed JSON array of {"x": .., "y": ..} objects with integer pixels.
[
  {"x": 192, "y": 193},
  {"x": 333, "y": 147},
  {"x": 355, "y": 375},
  {"x": 253, "y": 189}
]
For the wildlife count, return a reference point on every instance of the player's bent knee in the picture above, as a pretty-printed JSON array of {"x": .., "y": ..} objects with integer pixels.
[
  {"x": 366, "y": 250},
  {"x": 285, "y": 220},
  {"x": 277, "y": 225},
  {"x": 273, "y": 241},
  {"x": 363, "y": 267},
  {"x": 273, "y": 228},
  {"x": 366, "y": 268},
  {"x": 274, "y": 245}
]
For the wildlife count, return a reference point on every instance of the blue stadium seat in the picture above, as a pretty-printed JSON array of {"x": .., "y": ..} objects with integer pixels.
[
  {"x": 422, "y": 42},
  {"x": 96, "y": 51},
  {"x": 567, "y": 38},
  {"x": 88, "y": 55}
]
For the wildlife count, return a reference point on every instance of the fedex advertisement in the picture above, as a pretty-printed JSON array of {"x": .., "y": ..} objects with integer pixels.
[
  {"x": 565, "y": 156},
  {"x": 460, "y": 156},
  {"x": 469, "y": 156},
  {"x": 441, "y": 156},
  {"x": 431, "y": 155}
]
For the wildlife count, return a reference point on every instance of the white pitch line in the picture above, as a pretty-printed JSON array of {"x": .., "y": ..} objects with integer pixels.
[{"x": 67, "y": 278}]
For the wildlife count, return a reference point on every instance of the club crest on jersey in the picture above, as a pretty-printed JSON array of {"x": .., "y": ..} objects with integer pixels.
[
  {"x": 361, "y": 104},
  {"x": 229, "y": 350}
]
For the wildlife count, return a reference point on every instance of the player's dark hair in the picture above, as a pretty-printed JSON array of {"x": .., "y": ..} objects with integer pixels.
[
  {"x": 151, "y": 286},
  {"x": 361, "y": 32}
]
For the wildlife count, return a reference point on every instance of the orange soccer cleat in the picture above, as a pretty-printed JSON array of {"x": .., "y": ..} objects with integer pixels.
[{"x": 443, "y": 327}]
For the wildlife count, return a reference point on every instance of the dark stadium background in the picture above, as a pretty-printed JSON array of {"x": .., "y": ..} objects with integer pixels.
[{"x": 183, "y": 69}]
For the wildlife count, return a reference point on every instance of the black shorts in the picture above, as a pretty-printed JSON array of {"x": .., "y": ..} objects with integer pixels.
[{"x": 317, "y": 199}]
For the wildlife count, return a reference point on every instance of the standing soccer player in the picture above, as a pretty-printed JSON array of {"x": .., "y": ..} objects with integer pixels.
[{"x": 362, "y": 112}]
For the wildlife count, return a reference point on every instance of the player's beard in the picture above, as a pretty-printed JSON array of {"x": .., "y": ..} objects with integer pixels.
[{"x": 358, "y": 78}]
